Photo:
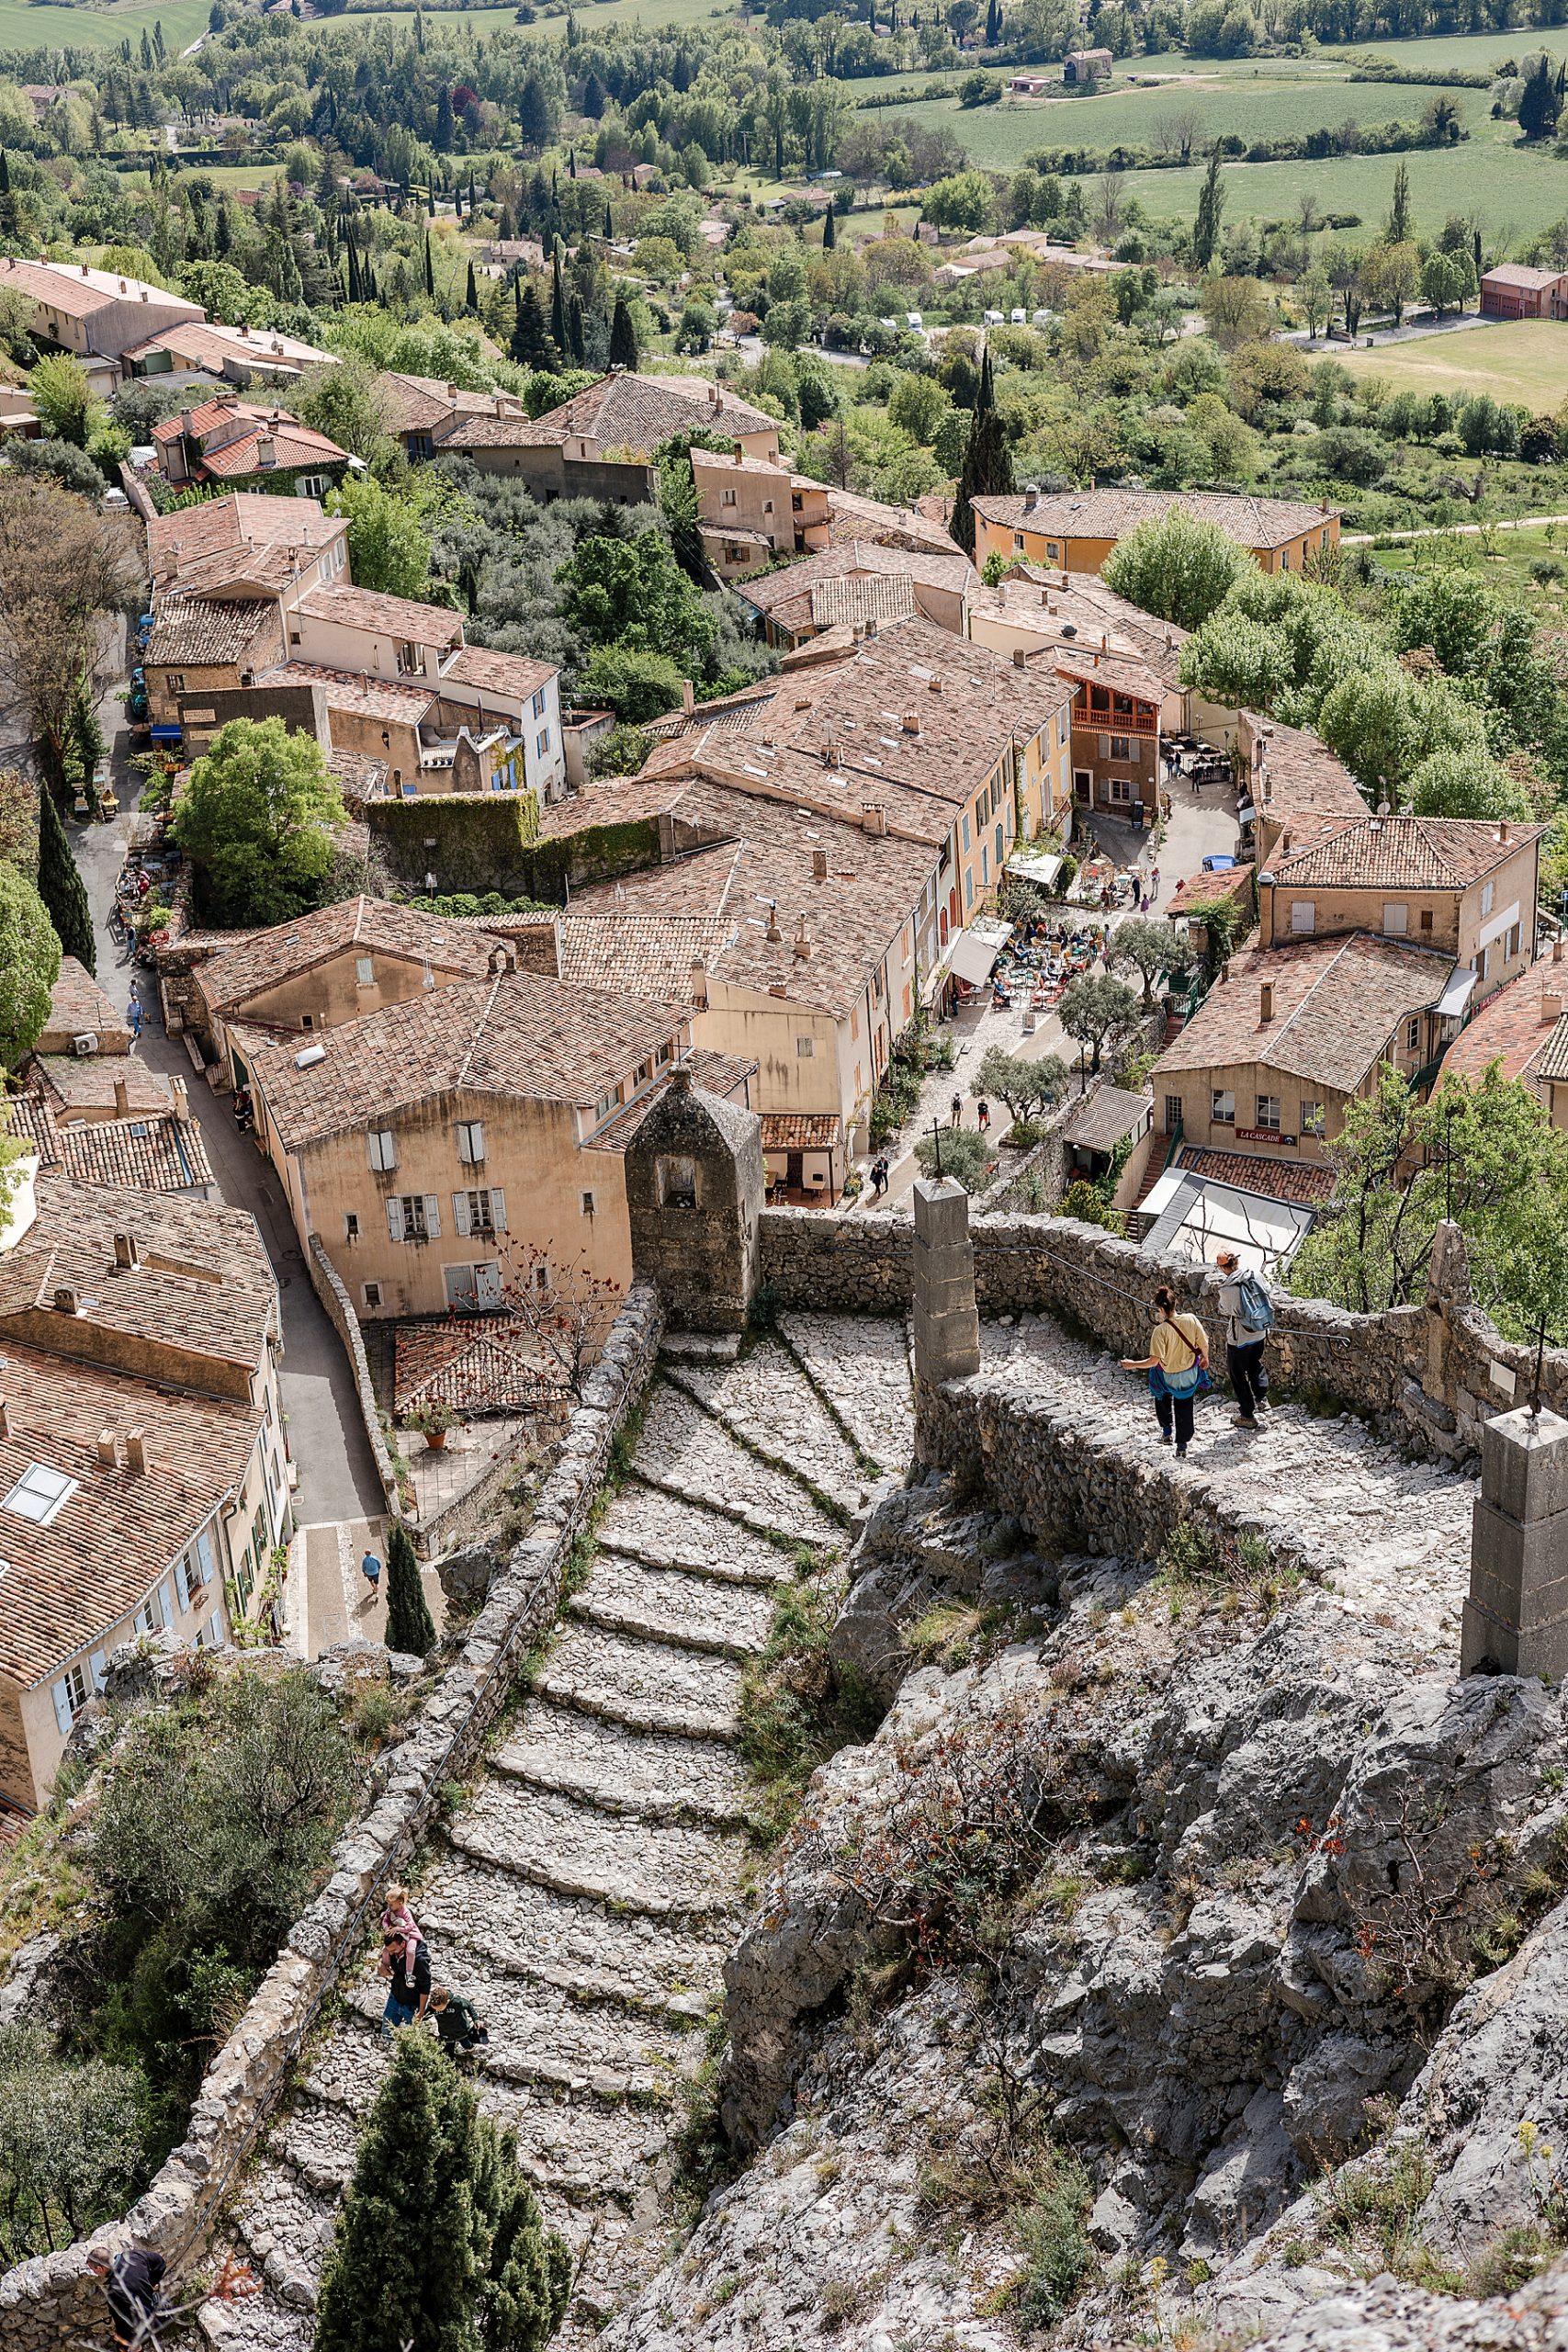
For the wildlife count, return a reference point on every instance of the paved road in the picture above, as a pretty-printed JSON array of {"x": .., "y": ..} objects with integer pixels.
[
  {"x": 337, "y": 1476},
  {"x": 1451, "y": 530}
]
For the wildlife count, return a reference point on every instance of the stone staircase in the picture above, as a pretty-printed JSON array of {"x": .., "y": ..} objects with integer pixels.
[{"x": 585, "y": 1894}]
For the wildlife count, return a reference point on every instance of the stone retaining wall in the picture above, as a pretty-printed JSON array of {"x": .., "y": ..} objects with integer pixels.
[
  {"x": 51, "y": 2304},
  {"x": 1426, "y": 1373},
  {"x": 334, "y": 1297}
]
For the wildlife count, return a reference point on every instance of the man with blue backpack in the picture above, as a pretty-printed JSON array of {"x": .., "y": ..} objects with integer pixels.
[{"x": 1249, "y": 1318}]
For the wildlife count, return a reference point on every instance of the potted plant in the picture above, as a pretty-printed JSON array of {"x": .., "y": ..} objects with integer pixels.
[{"x": 433, "y": 1419}]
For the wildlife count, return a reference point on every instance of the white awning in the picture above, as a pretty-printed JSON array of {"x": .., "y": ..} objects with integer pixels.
[
  {"x": 1035, "y": 866},
  {"x": 973, "y": 955},
  {"x": 1456, "y": 994}
]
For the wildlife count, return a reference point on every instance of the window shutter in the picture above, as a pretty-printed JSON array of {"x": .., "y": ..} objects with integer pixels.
[
  {"x": 498, "y": 1208},
  {"x": 182, "y": 1581},
  {"x": 96, "y": 1667},
  {"x": 460, "y": 1212},
  {"x": 63, "y": 1710},
  {"x": 204, "y": 1554},
  {"x": 373, "y": 1151},
  {"x": 395, "y": 1217},
  {"x": 433, "y": 1216},
  {"x": 166, "y": 1601},
  {"x": 215, "y": 1629}
]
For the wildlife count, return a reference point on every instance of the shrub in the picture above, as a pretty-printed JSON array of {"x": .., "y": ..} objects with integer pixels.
[{"x": 1053, "y": 2234}]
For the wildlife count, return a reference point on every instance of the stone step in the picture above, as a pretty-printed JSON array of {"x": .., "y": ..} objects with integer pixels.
[
  {"x": 671, "y": 1605},
  {"x": 766, "y": 1401},
  {"x": 285, "y": 2228},
  {"x": 258, "y": 2322},
  {"x": 684, "y": 1450},
  {"x": 665, "y": 1531},
  {"x": 645, "y": 1685},
  {"x": 863, "y": 1367},
  {"x": 700, "y": 1347},
  {"x": 655, "y": 1778},
  {"x": 662, "y": 1870},
  {"x": 671, "y": 1968}
]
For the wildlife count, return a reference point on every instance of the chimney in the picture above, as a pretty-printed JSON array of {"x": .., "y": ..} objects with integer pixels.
[
  {"x": 65, "y": 1300},
  {"x": 182, "y": 1100},
  {"x": 936, "y": 685},
  {"x": 874, "y": 817},
  {"x": 451, "y": 391},
  {"x": 1285, "y": 843},
  {"x": 121, "y": 1099},
  {"x": 713, "y": 396},
  {"x": 1019, "y": 657},
  {"x": 109, "y": 1458},
  {"x": 911, "y": 722},
  {"x": 1226, "y": 970},
  {"x": 245, "y": 331},
  {"x": 773, "y": 931},
  {"x": 126, "y": 1252},
  {"x": 266, "y": 450},
  {"x": 1502, "y": 830},
  {"x": 819, "y": 865},
  {"x": 699, "y": 983},
  {"x": 136, "y": 1451},
  {"x": 1551, "y": 1004},
  {"x": 802, "y": 942},
  {"x": 688, "y": 697},
  {"x": 1031, "y": 497},
  {"x": 1266, "y": 1001},
  {"x": 1557, "y": 949}
]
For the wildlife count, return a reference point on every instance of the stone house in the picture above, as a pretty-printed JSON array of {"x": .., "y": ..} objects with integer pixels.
[
  {"x": 1082, "y": 68},
  {"x": 1463, "y": 886},
  {"x": 232, "y": 441},
  {"x": 416, "y": 1140},
  {"x": 601, "y": 443},
  {"x": 1289, "y": 774},
  {"x": 1076, "y": 530},
  {"x": 1289, "y": 1036},
  {"x": 247, "y": 544},
  {"x": 420, "y": 411},
  {"x": 241, "y": 355},
  {"x": 803, "y": 600},
  {"x": 1117, "y": 703},
  {"x": 144, "y": 1464},
  {"x": 95, "y": 314},
  {"x": 202, "y": 644}
]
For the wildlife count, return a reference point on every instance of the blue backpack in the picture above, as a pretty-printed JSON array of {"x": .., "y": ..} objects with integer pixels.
[{"x": 1255, "y": 1311}]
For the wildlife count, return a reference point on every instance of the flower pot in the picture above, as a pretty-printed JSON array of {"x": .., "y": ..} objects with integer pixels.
[{"x": 436, "y": 1441}]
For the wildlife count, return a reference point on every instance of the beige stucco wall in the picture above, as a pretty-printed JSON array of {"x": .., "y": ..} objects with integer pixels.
[
  {"x": 1072, "y": 554},
  {"x": 331, "y": 994},
  {"x": 1457, "y": 925}
]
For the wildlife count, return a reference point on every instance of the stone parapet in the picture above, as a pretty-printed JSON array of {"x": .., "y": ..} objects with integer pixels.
[{"x": 51, "y": 2304}]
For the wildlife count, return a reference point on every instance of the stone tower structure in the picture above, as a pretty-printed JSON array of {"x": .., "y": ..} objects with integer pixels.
[{"x": 694, "y": 1190}]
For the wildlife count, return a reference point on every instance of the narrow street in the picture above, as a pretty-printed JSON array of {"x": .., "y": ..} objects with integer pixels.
[{"x": 337, "y": 1476}]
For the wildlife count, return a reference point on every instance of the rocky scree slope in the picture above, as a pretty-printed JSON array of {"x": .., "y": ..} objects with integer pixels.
[{"x": 1183, "y": 1970}]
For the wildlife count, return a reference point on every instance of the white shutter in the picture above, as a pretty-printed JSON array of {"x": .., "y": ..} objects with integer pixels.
[
  {"x": 166, "y": 1601},
  {"x": 498, "y": 1208},
  {"x": 460, "y": 1213},
  {"x": 63, "y": 1709},
  {"x": 96, "y": 1668},
  {"x": 395, "y": 1217},
  {"x": 182, "y": 1581},
  {"x": 204, "y": 1554},
  {"x": 477, "y": 1139},
  {"x": 433, "y": 1216}
]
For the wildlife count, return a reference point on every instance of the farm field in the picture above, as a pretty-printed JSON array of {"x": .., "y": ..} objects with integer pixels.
[
  {"x": 649, "y": 13},
  {"x": 1527, "y": 362},
  {"x": 22, "y": 26}
]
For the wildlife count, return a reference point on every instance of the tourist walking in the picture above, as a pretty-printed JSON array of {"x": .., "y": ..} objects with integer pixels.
[
  {"x": 131, "y": 2282},
  {"x": 370, "y": 1569},
  {"x": 1178, "y": 1366},
  {"x": 1249, "y": 1318},
  {"x": 456, "y": 2023},
  {"x": 406, "y": 1967},
  {"x": 879, "y": 1178},
  {"x": 985, "y": 1116},
  {"x": 133, "y": 1020},
  {"x": 956, "y": 1115}
]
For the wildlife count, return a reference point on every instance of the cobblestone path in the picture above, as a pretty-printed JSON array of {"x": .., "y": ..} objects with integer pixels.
[{"x": 585, "y": 1896}]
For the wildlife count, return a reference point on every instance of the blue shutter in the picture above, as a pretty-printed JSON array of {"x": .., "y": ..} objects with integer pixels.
[
  {"x": 203, "y": 1553},
  {"x": 96, "y": 1667},
  {"x": 182, "y": 1580}
]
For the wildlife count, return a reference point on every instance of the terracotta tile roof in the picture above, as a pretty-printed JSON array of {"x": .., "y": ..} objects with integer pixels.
[
  {"x": 1401, "y": 853},
  {"x": 416, "y": 403},
  {"x": 801, "y": 1131},
  {"x": 1202, "y": 890},
  {"x": 732, "y": 711},
  {"x": 852, "y": 915},
  {"x": 485, "y": 1365},
  {"x": 243, "y": 523},
  {"x": 120, "y": 1531},
  {"x": 1303, "y": 777},
  {"x": 1277, "y": 1180},
  {"x": 1336, "y": 1004},
  {"x": 626, "y": 802},
  {"x": 403, "y": 701},
  {"x": 210, "y": 344},
  {"x": 646, "y": 956},
  {"x": 72, "y": 1087},
  {"x": 512, "y": 675},
  {"x": 1521, "y": 1025},
  {"x": 953, "y": 570},
  {"x": 868, "y": 597},
  {"x": 637, "y": 412},
  {"x": 204, "y": 1286},
  {"x": 1096, "y": 666},
  {"x": 156, "y": 1154},
  {"x": 1047, "y": 603},
  {"x": 78, "y": 291},
  {"x": 1112, "y": 514},
  {"x": 364, "y": 924},
  {"x": 1100, "y": 1123},
  {"x": 852, "y": 517},
  {"x": 198, "y": 630},
  {"x": 514, "y": 1035},
  {"x": 79, "y": 1007},
  {"x": 1512, "y": 272},
  {"x": 719, "y": 1074},
  {"x": 292, "y": 445},
  {"x": 377, "y": 616}
]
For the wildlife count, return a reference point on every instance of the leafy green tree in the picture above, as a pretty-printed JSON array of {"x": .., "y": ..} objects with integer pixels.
[
  {"x": 1457, "y": 784},
  {"x": 1176, "y": 566},
  {"x": 345, "y": 401},
  {"x": 254, "y": 822},
  {"x": 1315, "y": 296},
  {"x": 1540, "y": 103},
  {"x": 30, "y": 965},
  {"x": 623, "y": 350},
  {"x": 633, "y": 593},
  {"x": 388, "y": 549},
  {"x": 70, "y": 2142},
  {"x": 1483, "y": 1151},
  {"x": 965, "y": 1155},
  {"x": 1398, "y": 230},
  {"x": 410, "y": 1629},
  {"x": 963, "y": 200},
  {"x": 1210, "y": 211},
  {"x": 528, "y": 2267},
  {"x": 1148, "y": 948},
  {"x": 1023, "y": 1086},
  {"x": 636, "y": 686},
  {"x": 1389, "y": 275},
  {"x": 61, "y": 887},
  {"x": 1097, "y": 1012},
  {"x": 67, "y": 406}
]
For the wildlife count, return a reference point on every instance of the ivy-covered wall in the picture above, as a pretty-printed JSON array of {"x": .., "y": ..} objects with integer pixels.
[{"x": 490, "y": 841}]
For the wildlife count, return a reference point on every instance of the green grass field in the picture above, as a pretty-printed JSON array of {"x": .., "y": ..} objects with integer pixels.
[
  {"x": 22, "y": 26},
  {"x": 650, "y": 13},
  {"x": 1526, "y": 362}
]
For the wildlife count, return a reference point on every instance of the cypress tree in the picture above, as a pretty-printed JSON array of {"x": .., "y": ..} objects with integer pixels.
[
  {"x": 575, "y": 329},
  {"x": 471, "y": 198},
  {"x": 429, "y": 271},
  {"x": 609, "y": 224},
  {"x": 471, "y": 299},
  {"x": 1211, "y": 204},
  {"x": 59, "y": 884},
  {"x": 987, "y": 471},
  {"x": 531, "y": 345},
  {"x": 622, "y": 338},
  {"x": 572, "y": 164},
  {"x": 356, "y": 289},
  {"x": 993, "y": 24},
  {"x": 1399, "y": 210},
  {"x": 528, "y": 2268},
  {"x": 830, "y": 233},
  {"x": 558, "y": 307},
  {"x": 409, "y": 1627}
]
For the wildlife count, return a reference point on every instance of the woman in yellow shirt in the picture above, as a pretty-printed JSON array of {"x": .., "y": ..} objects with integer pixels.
[{"x": 1179, "y": 1355}]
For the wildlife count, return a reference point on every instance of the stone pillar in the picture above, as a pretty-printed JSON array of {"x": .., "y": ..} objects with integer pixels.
[
  {"x": 1516, "y": 1619},
  {"x": 695, "y": 1182},
  {"x": 947, "y": 1322}
]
